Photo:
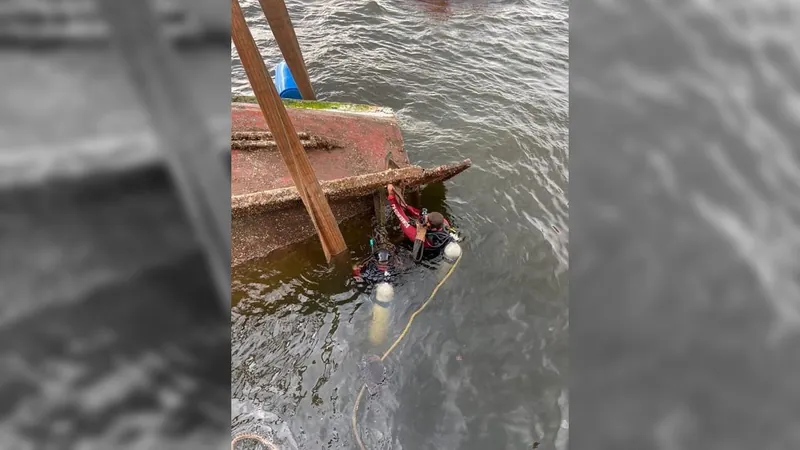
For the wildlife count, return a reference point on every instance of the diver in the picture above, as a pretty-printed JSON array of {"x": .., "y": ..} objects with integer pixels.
[
  {"x": 430, "y": 232},
  {"x": 379, "y": 270},
  {"x": 383, "y": 265},
  {"x": 379, "y": 267}
]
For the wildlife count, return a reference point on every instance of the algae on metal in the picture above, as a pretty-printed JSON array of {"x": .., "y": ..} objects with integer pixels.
[{"x": 317, "y": 105}]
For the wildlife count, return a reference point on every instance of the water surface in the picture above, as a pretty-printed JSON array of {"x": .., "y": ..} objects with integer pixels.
[{"x": 485, "y": 366}]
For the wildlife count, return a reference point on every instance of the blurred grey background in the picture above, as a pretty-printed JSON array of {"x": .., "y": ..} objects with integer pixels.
[
  {"x": 684, "y": 223},
  {"x": 111, "y": 336},
  {"x": 685, "y": 205}
]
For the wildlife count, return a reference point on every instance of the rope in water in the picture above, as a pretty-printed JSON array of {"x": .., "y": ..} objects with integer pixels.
[
  {"x": 396, "y": 342},
  {"x": 255, "y": 437}
]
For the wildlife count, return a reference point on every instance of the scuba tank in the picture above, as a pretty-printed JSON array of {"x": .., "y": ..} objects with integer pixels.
[
  {"x": 452, "y": 251},
  {"x": 383, "y": 291},
  {"x": 381, "y": 313}
]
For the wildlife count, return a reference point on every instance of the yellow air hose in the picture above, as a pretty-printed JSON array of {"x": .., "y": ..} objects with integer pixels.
[
  {"x": 254, "y": 437},
  {"x": 396, "y": 342}
]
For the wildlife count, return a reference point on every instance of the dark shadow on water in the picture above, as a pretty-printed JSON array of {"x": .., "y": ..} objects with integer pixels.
[{"x": 305, "y": 260}]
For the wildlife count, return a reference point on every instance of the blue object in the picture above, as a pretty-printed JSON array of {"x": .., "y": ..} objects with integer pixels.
[{"x": 284, "y": 82}]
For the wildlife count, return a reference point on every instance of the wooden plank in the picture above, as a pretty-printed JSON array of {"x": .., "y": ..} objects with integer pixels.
[
  {"x": 199, "y": 176},
  {"x": 281, "y": 25},
  {"x": 285, "y": 136}
]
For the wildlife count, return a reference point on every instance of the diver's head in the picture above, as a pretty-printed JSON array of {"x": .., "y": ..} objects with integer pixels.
[
  {"x": 435, "y": 220},
  {"x": 382, "y": 259},
  {"x": 383, "y": 256}
]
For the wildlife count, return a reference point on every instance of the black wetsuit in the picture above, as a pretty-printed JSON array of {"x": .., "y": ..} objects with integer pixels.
[
  {"x": 372, "y": 271},
  {"x": 435, "y": 242}
]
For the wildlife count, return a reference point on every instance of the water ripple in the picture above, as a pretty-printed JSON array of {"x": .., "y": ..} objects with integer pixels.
[{"x": 485, "y": 80}]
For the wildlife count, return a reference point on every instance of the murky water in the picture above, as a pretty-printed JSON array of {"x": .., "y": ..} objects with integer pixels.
[{"x": 485, "y": 366}]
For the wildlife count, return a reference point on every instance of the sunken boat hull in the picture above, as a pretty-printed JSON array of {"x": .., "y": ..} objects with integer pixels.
[{"x": 348, "y": 147}]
